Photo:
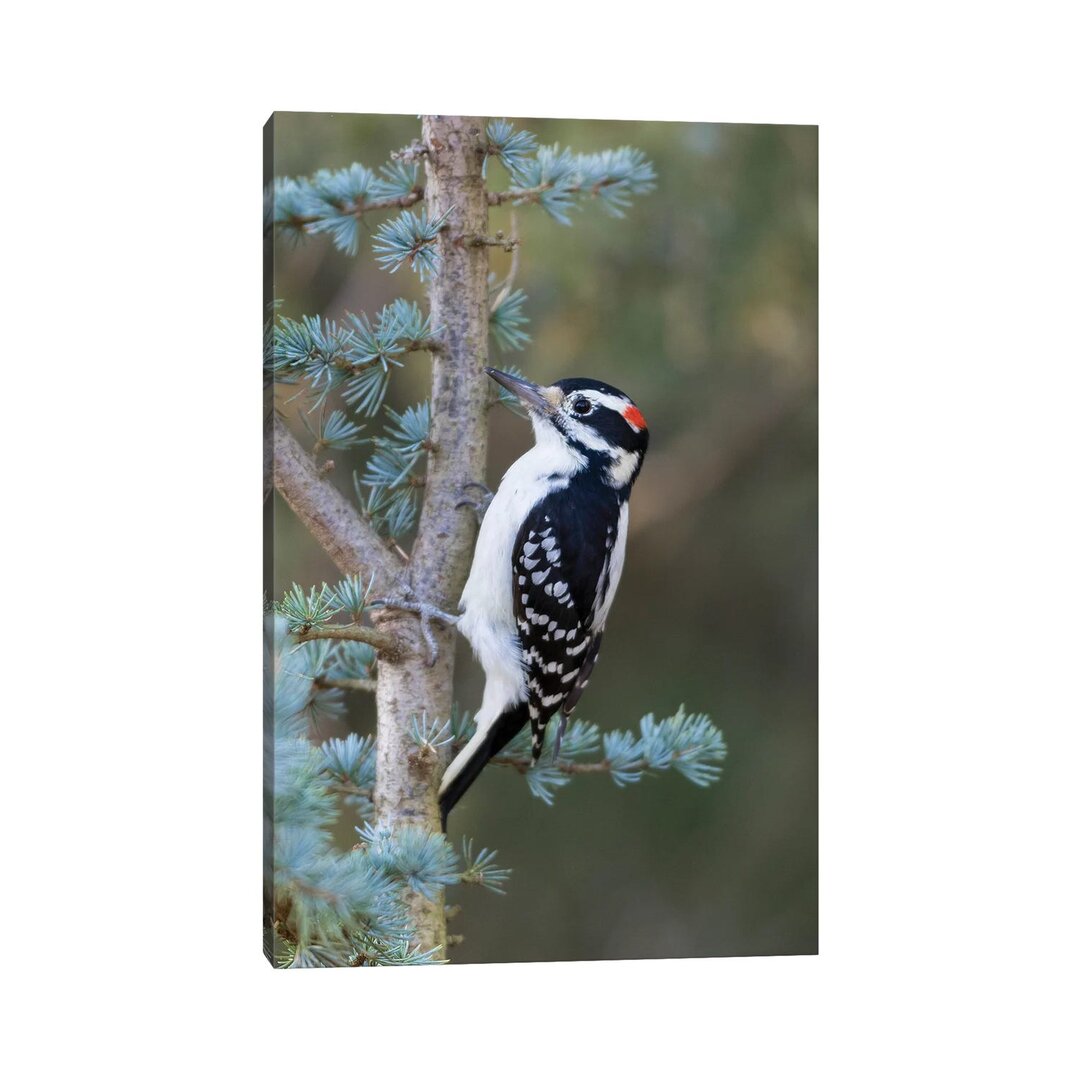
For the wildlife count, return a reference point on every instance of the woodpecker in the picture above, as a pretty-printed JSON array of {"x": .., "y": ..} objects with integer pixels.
[{"x": 548, "y": 561}]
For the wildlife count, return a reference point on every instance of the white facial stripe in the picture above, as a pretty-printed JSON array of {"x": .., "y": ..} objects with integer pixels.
[
  {"x": 622, "y": 467},
  {"x": 624, "y": 462},
  {"x": 608, "y": 401},
  {"x": 615, "y": 402}
]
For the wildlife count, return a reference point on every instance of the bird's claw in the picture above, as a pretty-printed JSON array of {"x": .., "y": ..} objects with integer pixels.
[
  {"x": 406, "y": 600},
  {"x": 557, "y": 745},
  {"x": 480, "y": 504}
]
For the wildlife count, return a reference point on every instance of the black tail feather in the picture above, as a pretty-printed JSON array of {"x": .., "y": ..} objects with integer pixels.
[{"x": 499, "y": 734}]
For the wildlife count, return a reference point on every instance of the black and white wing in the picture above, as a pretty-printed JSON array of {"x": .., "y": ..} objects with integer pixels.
[{"x": 562, "y": 578}]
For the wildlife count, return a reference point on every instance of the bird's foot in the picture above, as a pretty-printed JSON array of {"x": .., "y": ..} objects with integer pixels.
[
  {"x": 480, "y": 504},
  {"x": 406, "y": 600},
  {"x": 557, "y": 745}
]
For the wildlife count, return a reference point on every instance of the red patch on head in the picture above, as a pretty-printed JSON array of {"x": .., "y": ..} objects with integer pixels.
[{"x": 632, "y": 415}]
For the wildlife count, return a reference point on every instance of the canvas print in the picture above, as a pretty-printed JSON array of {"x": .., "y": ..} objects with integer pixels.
[{"x": 541, "y": 539}]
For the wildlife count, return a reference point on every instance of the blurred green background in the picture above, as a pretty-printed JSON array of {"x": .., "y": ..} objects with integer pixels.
[{"x": 702, "y": 305}]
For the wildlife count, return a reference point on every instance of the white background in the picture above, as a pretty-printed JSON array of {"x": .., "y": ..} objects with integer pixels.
[{"x": 131, "y": 428}]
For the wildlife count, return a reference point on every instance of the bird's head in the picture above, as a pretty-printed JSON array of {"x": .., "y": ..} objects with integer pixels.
[{"x": 594, "y": 421}]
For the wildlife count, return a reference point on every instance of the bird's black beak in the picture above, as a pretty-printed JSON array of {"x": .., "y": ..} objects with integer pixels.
[{"x": 541, "y": 398}]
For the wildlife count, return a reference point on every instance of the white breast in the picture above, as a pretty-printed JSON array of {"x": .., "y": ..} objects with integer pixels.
[{"x": 487, "y": 600}]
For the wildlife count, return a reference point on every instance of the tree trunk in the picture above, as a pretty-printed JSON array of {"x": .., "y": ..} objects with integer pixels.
[{"x": 407, "y": 778}]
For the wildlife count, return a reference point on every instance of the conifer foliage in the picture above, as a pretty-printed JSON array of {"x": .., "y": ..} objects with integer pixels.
[{"x": 381, "y": 900}]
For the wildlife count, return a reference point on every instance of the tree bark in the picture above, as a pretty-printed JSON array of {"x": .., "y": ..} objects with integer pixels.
[{"x": 407, "y": 779}]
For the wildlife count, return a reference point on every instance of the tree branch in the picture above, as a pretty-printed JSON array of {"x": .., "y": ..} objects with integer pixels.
[
  {"x": 531, "y": 195},
  {"x": 335, "y": 523},
  {"x": 523, "y": 764},
  {"x": 413, "y": 152},
  {"x": 397, "y": 202},
  {"x": 499, "y": 240},
  {"x": 382, "y": 642}
]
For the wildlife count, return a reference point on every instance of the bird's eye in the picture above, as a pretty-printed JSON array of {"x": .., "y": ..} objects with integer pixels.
[{"x": 582, "y": 406}]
